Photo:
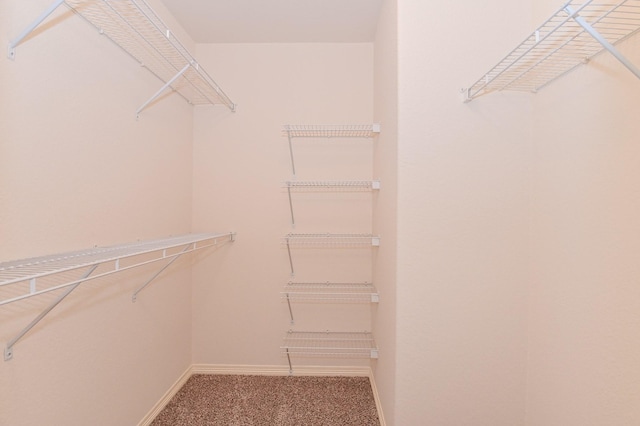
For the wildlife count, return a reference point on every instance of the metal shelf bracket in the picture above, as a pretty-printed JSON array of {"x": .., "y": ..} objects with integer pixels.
[
  {"x": 162, "y": 89},
  {"x": 603, "y": 41},
  {"x": 11, "y": 52},
  {"x": 8, "y": 350}
]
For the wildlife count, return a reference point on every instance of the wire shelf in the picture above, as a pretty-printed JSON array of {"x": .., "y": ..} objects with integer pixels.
[
  {"x": 345, "y": 185},
  {"x": 332, "y": 240},
  {"x": 327, "y": 131},
  {"x": 563, "y": 42},
  {"x": 25, "y": 278},
  {"x": 330, "y": 292},
  {"x": 331, "y": 130},
  {"x": 19, "y": 272},
  {"x": 330, "y": 344},
  {"x": 137, "y": 29}
]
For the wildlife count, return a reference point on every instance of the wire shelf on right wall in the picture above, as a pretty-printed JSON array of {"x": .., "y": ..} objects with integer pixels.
[{"x": 577, "y": 32}]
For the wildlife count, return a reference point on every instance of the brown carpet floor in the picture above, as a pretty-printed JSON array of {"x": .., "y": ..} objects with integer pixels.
[{"x": 231, "y": 400}]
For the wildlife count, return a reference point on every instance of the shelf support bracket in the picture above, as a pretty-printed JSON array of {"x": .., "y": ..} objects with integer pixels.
[
  {"x": 293, "y": 220},
  {"x": 289, "y": 361},
  {"x": 293, "y": 164},
  {"x": 290, "y": 258},
  {"x": 11, "y": 53},
  {"x": 600, "y": 39},
  {"x": 162, "y": 89},
  {"x": 8, "y": 350},
  {"x": 135, "y": 293},
  {"x": 290, "y": 310}
]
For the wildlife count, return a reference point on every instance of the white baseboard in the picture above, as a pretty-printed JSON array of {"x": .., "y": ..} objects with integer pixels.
[
  {"x": 264, "y": 370},
  {"x": 166, "y": 398},
  {"x": 280, "y": 370}
]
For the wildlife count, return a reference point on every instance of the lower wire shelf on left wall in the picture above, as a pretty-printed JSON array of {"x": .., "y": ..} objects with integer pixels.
[{"x": 26, "y": 278}]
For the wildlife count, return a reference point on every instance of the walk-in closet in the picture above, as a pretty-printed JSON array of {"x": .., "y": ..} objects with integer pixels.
[{"x": 354, "y": 212}]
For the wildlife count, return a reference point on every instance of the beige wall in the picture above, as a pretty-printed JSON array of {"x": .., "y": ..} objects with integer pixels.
[
  {"x": 385, "y": 212},
  {"x": 463, "y": 218},
  {"x": 78, "y": 170},
  {"x": 584, "y": 299},
  {"x": 240, "y": 165}
]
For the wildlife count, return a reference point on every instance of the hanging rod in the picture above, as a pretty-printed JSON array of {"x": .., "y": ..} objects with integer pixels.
[
  {"x": 328, "y": 344},
  {"x": 578, "y": 31},
  {"x": 26, "y": 275},
  {"x": 136, "y": 28},
  {"x": 327, "y": 131}
]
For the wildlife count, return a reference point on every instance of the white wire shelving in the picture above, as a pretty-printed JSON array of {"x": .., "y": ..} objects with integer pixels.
[
  {"x": 332, "y": 240},
  {"x": 327, "y": 131},
  {"x": 328, "y": 292},
  {"x": 317, "y": 344},
  {"x": 27, "y": 278},
  {"x": 328, "y": 186},
  {"x": 328, "y": 240},
  {"x": 137, "y": 29},
  {"x": 577, "y": 32}
]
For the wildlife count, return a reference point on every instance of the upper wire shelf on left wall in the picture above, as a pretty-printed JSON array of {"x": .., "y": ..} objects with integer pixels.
[{"x": 136, "y": 28}]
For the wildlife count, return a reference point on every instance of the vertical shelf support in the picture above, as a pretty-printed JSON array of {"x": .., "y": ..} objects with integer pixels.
[
  {"x": 600, "y": 39},
  {"x": 8, "y": 350},
  {"x": 11, "y": 53},
  {"x": 162, "y": 89}
]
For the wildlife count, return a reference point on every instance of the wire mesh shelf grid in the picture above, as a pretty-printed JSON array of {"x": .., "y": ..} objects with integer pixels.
[{"x": 560, "y": 44}]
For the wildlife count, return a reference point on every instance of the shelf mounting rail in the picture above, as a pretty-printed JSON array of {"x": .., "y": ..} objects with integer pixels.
[
  {"x": 577, "y": 32},
  {"x": 26, "y": 275},
  {"x": 136, "y": 28}
]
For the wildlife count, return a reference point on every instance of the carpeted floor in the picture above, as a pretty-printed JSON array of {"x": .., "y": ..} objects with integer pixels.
[{"x": 229, "y": 400}]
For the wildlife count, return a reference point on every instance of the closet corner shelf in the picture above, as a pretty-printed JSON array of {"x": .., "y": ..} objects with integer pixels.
[
  {"x": 26, "y": 278},
  {"x": 136, "y": 28},
  {"x": 578, "y": 31},
  {"x": 329, "y": 344}
]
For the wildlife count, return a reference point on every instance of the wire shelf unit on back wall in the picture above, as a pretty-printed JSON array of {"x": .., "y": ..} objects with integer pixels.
[
  {"x": 334, "y": 344},
  {"x": 134, "y": 27},
  {"x": 578, "y": 31}
]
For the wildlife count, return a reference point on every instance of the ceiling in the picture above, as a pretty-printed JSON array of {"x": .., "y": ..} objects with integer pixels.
[{"x": 277, "y": 21}]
